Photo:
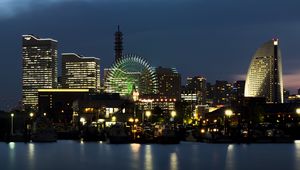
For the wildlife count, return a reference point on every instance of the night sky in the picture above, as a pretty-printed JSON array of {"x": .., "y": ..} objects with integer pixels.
[{"x": 213, "y": 38}]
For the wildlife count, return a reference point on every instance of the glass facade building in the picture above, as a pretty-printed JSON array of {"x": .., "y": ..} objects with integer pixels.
[
  {"x": 39, "y": 68},
  {"x": 80, "y": 72},
  {"x": 264, "y": 77}
]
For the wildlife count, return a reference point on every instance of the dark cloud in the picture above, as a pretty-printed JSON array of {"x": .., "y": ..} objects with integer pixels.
[{"x": 214, "y": 38}]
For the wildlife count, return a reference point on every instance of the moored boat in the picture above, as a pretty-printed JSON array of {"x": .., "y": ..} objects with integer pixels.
[
  {"x": 43, "y": 131},
  {"x": 118, "y": 134},
  {"x": 165, "y": 134}
]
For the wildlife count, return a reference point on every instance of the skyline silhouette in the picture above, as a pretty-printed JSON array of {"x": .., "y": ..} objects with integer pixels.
[{"x": 214, "y": 39}]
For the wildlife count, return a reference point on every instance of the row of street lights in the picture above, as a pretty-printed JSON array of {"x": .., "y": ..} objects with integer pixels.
[
  {"x": 228, "y": 113},
  {"x": 12, "y": 115}
]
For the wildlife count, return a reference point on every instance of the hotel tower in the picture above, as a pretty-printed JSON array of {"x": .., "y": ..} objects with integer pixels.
[{"x": 264, "y": 77}]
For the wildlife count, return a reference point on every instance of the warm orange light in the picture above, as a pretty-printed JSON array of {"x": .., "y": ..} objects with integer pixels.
[
  {"x": 130, "y": 120},
  {"x": 173, "y": 113},
  {"x": 148, "y": 113},
  {"x": 298, "y": 110},
  {"x": 228, "y": 112}
]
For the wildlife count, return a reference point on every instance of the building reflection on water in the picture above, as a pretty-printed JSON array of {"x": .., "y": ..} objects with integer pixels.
[
  {"x": 31, "y": 156},
  {"x": 229, "y": 160},
  {"x": 142, "y": 156},
  {"x": 12, "y": 153},
  {"x": 173, "y": 161},
  {"x": 31, "y": 147},
  {"x": 297, "y": 153},
  {"x": 135, "y": 154},
  {"x": 148, "y": 158}
]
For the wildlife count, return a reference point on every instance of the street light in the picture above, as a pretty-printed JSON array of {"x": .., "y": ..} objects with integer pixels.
[
  {"x": 12, "y": 124},
  {"x": 31, "y": 115},
  {"x": 228, "y": 112},
  {"x": 173, "y": 113},
  {"x": 298, "y": 111},
  {"x": 82, "y": 120},
  {"x": 148, "y": 114},
  {"x": 131, "y": 120}
]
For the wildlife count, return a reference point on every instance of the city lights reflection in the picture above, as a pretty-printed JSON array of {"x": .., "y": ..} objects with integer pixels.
[
  {"x": 173, "y": 161},
  {"x": 148, "y": 158},
  {"x": 31, "y": 149},
  {"x": 12, "y": 153},
  {"x": 190, "y": 156},
  {"x": 135, "y": 149},
  {"x": 297, "y": 153},
  {"x": 229, "y": 161},
  {"x": 12, "y": 145}
]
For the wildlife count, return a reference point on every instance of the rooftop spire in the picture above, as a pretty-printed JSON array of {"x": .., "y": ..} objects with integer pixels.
[{"x": 118, "y": 44}]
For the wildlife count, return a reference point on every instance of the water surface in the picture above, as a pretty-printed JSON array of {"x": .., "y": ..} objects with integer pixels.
[{"x": 188, "y": 156}]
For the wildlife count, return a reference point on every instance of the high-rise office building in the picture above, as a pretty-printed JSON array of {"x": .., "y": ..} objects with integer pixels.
[
  {"x": 80, "y": 72},
  {"x": 118, "y": 44},
  {"x": 209, "y": 93},
  {"x": 238, "y": 91},
  {"x": 264, "y": 77},
  {"x": 222, "y": 93},
  {"x": 39, "y": 68},
  {"x": 197, "y": 85},
  {"x": 169, "y": 82},
  {"x": 219, "y": 93}
]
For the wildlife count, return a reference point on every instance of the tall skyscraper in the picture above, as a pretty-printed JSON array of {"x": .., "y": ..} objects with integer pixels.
[
  {"x": 238, "y": 91},
  {"x": 220, "y": 93},
  {"x": 193, "y": 94},
  {"x": 80, "y": 72},
  {"x": 118, "y": 44},
  {"x": 169, "y": 82},
  {"x": 264, "y": 77},
  {"x": 197, "y": 85},
  {"x": 39, "y": 68}
]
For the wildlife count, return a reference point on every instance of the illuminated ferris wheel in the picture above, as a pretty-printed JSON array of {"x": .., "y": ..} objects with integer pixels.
[{"x": 129, "y": 72}]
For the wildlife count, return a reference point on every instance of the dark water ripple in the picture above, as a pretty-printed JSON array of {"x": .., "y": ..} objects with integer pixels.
[{"x": 188, "y": 156}]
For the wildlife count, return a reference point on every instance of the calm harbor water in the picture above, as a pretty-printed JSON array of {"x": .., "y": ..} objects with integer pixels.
[{"x": 188, "y": 156}]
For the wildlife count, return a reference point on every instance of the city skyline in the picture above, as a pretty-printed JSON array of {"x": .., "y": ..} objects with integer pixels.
[{"x": 164, "y": 39}]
